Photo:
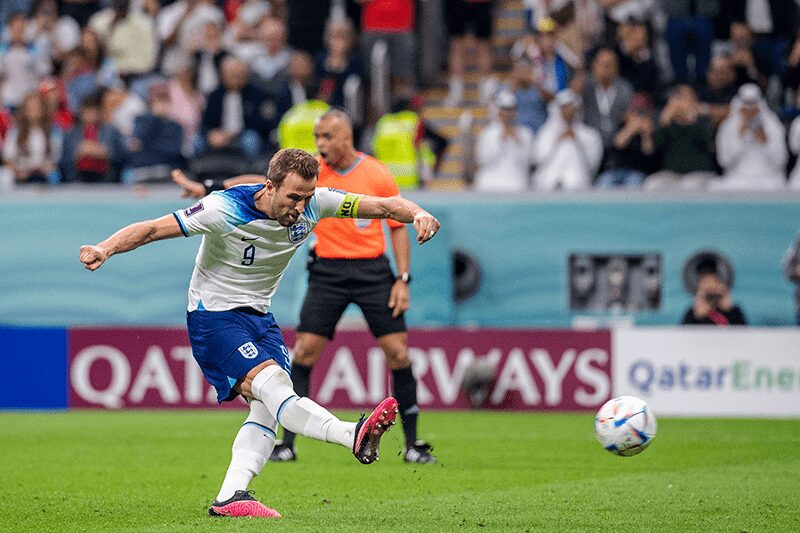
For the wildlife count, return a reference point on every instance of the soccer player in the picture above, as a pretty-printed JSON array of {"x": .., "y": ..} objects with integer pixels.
[
  {"x": 349, "y": 253},
  {"x": 250, "y": 233}
]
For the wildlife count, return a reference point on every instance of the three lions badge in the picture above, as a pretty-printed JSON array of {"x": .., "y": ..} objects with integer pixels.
[{"x": 298, "y": 231}]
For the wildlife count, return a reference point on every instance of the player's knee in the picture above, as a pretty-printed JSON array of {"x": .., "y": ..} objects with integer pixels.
[
  {"x": 397, "y": 359},
  {"x": 305, "y": 354}
]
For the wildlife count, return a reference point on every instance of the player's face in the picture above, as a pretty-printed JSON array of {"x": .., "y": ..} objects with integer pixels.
[
  {"x": 290, "y": 198},
  {"x": 334, "y": 140}
]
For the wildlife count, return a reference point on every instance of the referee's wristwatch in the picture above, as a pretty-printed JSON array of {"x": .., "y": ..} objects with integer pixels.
[{"x": 405, "y": 277}]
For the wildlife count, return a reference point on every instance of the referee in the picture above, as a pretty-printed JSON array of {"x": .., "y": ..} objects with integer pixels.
[{"x": 348, "y": 266}]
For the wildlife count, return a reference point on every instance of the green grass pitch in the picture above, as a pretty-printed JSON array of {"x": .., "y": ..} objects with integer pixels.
[{"x": 158, "y": 471}]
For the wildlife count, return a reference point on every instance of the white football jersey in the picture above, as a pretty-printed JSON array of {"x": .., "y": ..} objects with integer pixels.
[{"x": 244, "y": 254}]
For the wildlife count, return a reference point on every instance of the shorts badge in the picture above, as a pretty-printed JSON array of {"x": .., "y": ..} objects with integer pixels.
[{"x": 248, "y": 350}]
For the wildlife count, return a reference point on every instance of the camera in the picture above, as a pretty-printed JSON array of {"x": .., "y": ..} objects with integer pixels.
[{"x": 713, "y": 298}]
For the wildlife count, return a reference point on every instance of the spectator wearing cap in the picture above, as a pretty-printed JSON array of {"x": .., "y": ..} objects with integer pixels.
[
  {"x": 541, "y": 49},
  {"x": 606, "y": 96},
  {"x": 568, "y": 152},
  {"x": 751, "y": 146},
  {"x": 631, "y": 157},
  {"x": 157, "y": 141},
  {"x": 684, "y": 143},
  {"x": 22, "y": 63},
  {"x": 504, "y": 151}
]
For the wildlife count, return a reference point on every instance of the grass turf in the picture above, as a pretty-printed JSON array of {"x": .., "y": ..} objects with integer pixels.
[{"x": 158, "y": 471}]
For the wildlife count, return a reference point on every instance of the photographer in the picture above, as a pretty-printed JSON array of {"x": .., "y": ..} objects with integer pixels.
[
  {"x": 791, "y": 269},
  {"x": 713, "y": 304}
]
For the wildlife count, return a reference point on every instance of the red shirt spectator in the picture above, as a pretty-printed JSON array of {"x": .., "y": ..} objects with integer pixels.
[{"x": 389, "y": 16}]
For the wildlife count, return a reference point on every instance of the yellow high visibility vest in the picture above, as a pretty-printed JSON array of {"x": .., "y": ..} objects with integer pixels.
[
  {"x": 296, "y": 128},
  {"x": 393, "y": 146}
]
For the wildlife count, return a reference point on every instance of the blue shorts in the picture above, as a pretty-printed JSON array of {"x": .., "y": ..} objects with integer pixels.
[{"x": 228, "y": 344}]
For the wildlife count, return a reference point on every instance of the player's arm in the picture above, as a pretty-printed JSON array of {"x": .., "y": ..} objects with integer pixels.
[
  {"x": 129, "y": 238},
  {"x": 196, "y": 189},
  {"x": 394, "y": 207}
]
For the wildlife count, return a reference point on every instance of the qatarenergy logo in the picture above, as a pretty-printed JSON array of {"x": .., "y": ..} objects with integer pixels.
[{"x": 738, "y": 376}]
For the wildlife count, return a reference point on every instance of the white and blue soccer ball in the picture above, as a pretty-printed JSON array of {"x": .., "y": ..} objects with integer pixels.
[{"x": 625, "y": 425}]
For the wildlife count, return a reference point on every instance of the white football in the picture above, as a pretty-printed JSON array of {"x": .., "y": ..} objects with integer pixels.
[{"x": 625, "y": 425}]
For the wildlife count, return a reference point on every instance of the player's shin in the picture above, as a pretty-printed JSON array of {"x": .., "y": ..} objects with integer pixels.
[
  {"x": 301, "y": 380},
  {"x": 251, "y": 449},
  {"x": 273, "y": 386},
  {"x": 405, "y": 390}
]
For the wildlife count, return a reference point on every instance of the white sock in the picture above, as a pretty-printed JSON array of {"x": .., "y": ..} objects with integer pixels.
[
  {"x": 251, "y": 449},
  {"x": 273, "y": 386}
]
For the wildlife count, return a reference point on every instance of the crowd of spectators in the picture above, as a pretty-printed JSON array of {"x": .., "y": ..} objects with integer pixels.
[
  {"x": 653, "y": 94},
  {"x": 121, "y": 91},
  {"x": 668, "y": 95}
]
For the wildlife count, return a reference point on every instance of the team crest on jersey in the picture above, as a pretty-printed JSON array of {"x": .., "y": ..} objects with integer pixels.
[
  {"x": 248, "y": 350},
  {"x": 298, "y": 231},
  {"x": 193, "y": 210}
]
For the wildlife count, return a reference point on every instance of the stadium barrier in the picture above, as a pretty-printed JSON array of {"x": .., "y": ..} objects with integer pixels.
[
  {"x": 522, "y": 245},
  {"x": 679, "y": 371}
]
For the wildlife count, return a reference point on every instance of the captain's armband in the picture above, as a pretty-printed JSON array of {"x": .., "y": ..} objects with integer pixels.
[{"x": 349, "y": 206}]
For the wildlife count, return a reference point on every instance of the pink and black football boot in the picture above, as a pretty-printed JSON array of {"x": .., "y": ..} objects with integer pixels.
[
  {"x": 242, "y": 503},
  {"x": 370, "y": 430}
]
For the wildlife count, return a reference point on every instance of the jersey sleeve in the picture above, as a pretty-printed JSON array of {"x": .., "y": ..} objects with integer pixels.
[
  {"x": 213, "y": 214},
  {"x": 329, "y": 202}
]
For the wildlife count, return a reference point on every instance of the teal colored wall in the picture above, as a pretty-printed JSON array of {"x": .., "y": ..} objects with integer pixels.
[{"x": 522, "y": 244}]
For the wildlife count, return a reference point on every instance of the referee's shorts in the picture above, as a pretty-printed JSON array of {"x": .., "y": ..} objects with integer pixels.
[{"x": 333, "y": 284}]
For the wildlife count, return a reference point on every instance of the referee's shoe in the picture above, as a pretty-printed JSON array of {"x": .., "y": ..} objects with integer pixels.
[{"x": 420, "y": 452}]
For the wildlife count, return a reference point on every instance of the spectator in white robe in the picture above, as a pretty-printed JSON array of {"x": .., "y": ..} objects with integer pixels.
[
  {"x": 751, "y": 146},
  {"x": 794, "y": 146},
  {"x": 504, "y": 150},
  {"x": 568, "y": 152}
]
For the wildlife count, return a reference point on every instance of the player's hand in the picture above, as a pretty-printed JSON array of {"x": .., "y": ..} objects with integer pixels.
[
  {"x": 191, "y": 188},
  {"x": 93, "y": 256},
  {"x": 399, "y": 298},
  {"x": 426, "y": 226}
]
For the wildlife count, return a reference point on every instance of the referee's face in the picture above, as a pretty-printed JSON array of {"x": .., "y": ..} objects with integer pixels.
[
  {"x": 334, "y": 140},
  {"x": 290, "y": 198}
]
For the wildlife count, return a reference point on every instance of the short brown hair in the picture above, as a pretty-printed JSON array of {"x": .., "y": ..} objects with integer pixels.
[{"x": 292, "y": 160}]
